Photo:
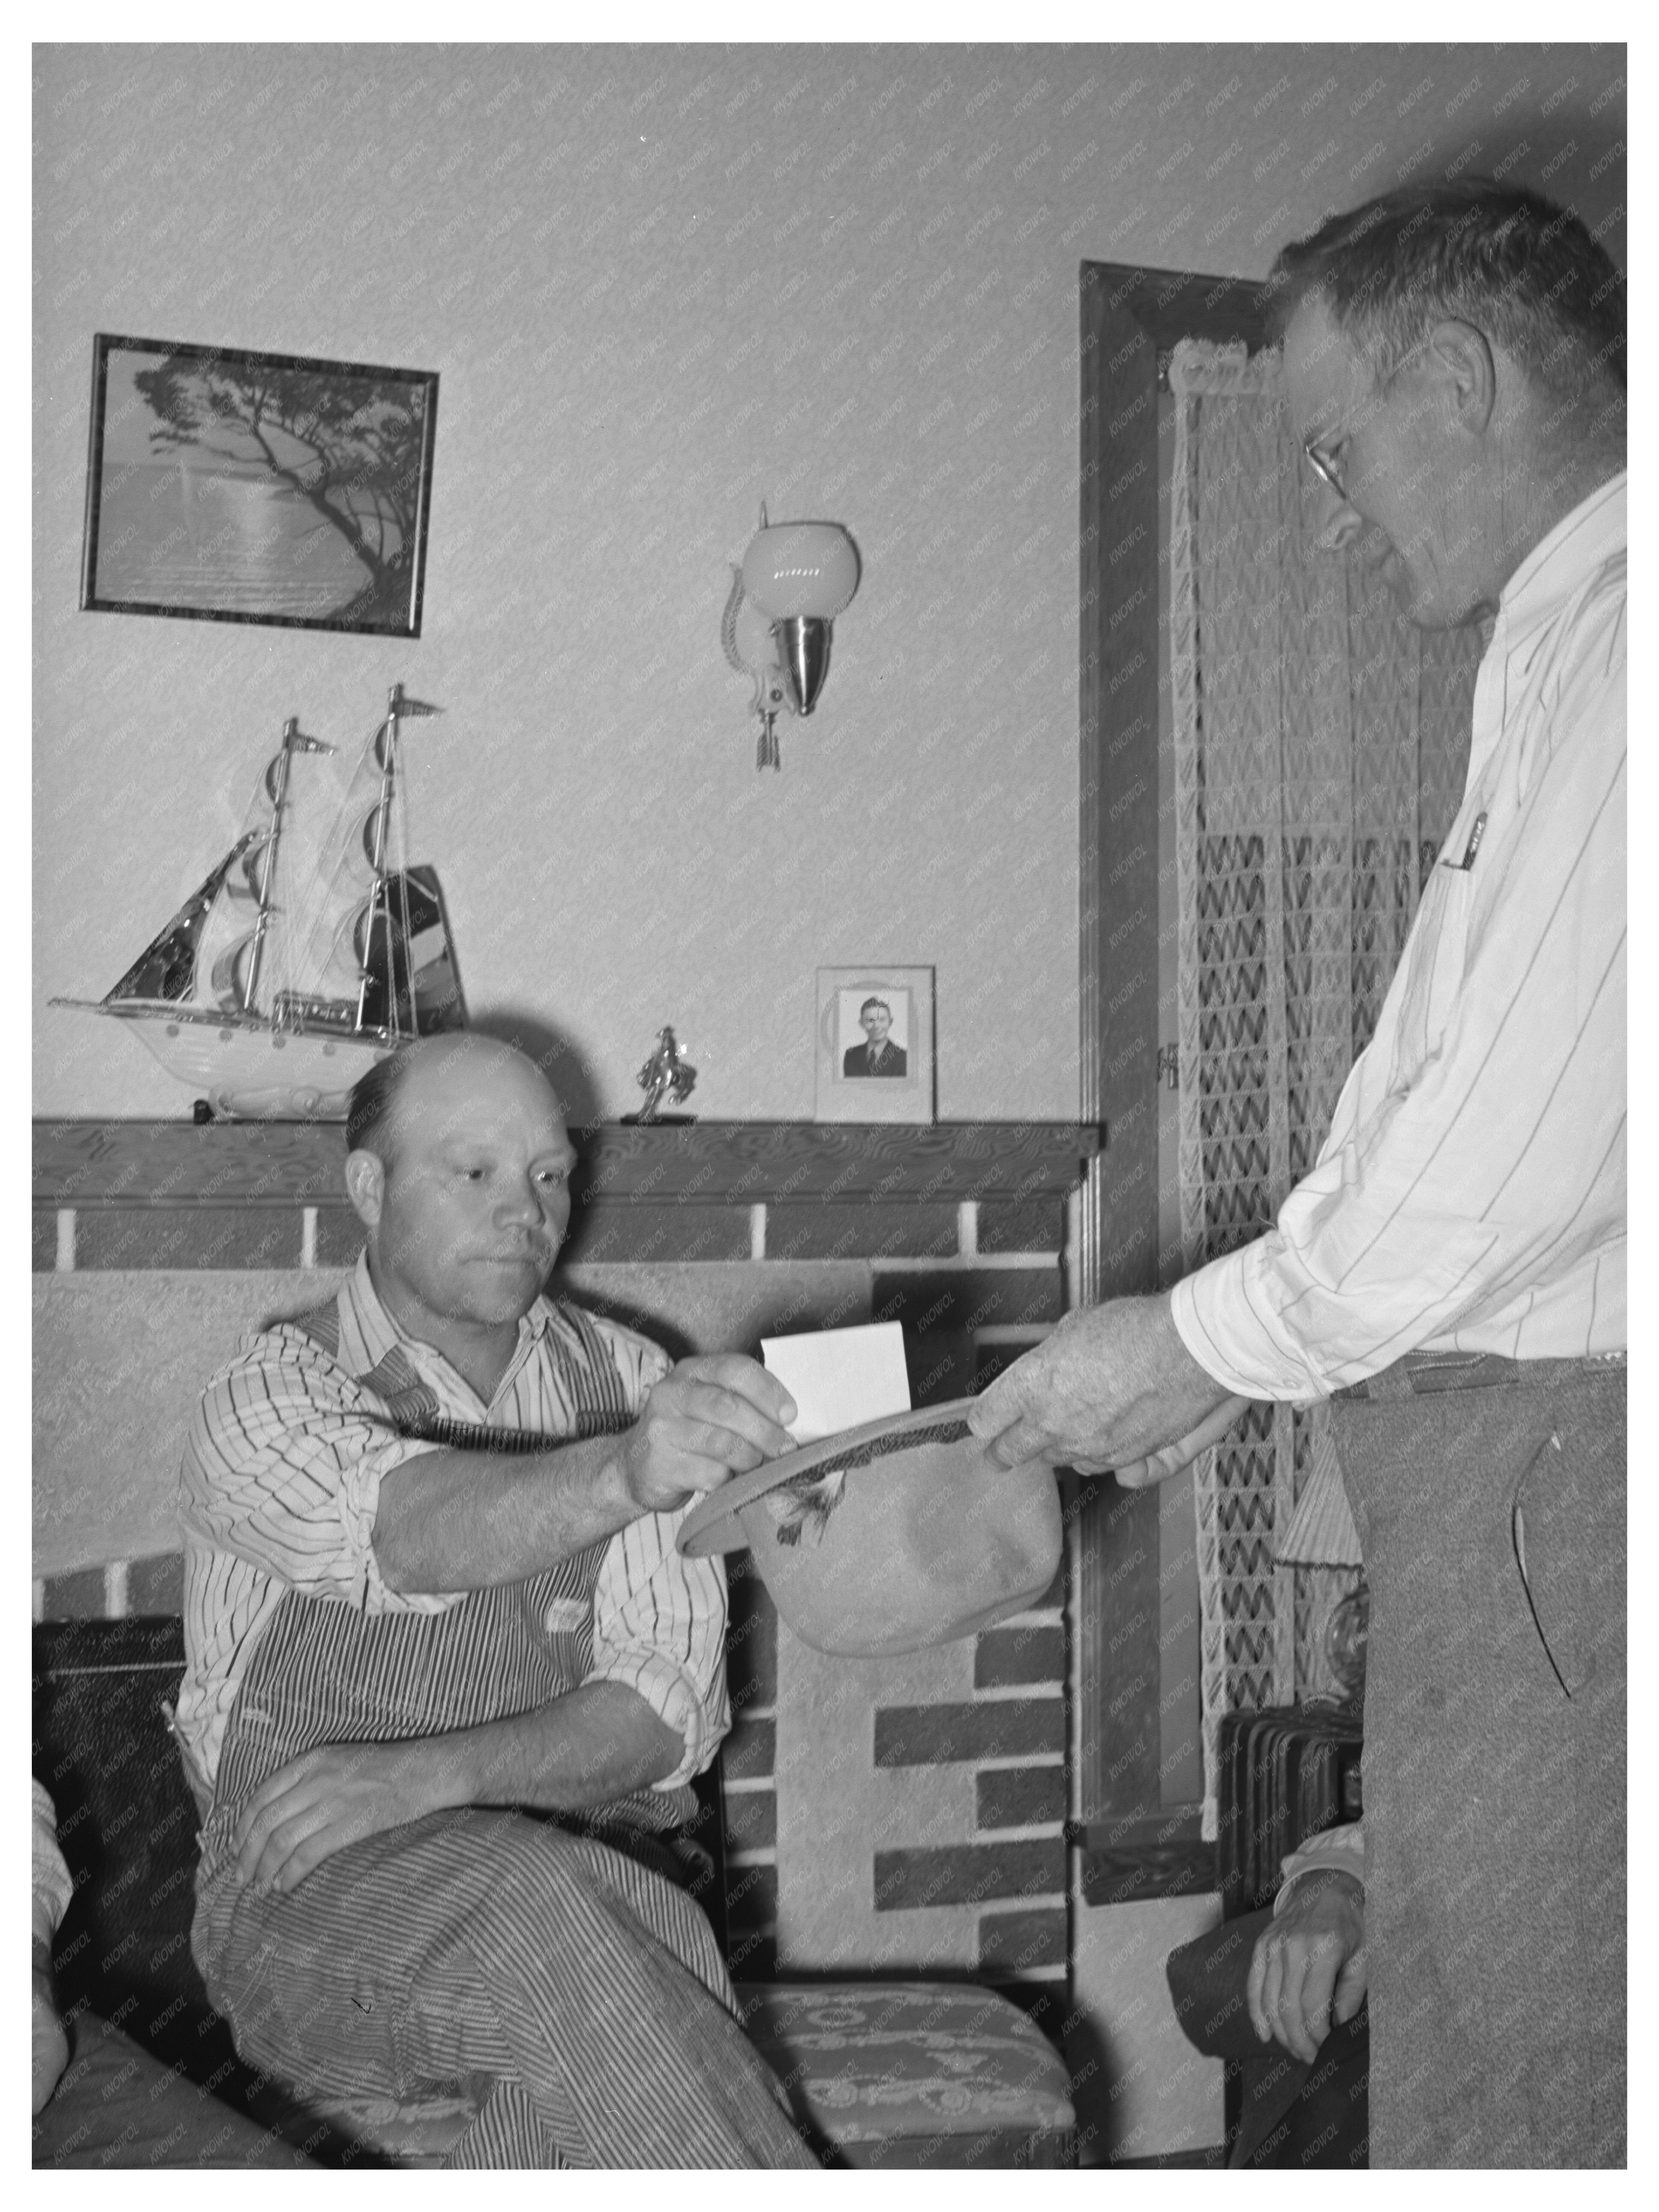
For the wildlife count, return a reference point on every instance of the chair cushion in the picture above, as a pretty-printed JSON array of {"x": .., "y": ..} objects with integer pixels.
[{"x": 865, "y": 2062}]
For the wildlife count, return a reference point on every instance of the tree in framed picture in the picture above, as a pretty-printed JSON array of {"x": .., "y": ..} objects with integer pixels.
[{"x": 227, "y": 486}]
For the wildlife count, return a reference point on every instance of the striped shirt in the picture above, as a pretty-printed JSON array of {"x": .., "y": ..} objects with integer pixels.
[
  {"x": 281, "y": 1484},
  {"x": 1332, "y": 1850},
  {"x": 53, "y": 1884},
  {"x": 1471, "y": 1193}
]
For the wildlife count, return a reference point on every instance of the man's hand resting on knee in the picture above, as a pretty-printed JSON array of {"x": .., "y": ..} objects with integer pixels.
[
  {"x": 328, "y": 1798},
  {"x": 1308, "y": 1970},
  {"x": 595, "y": 1744}
]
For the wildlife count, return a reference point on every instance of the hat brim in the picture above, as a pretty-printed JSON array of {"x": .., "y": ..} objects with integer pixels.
[{"x": 714, "y": 1526}]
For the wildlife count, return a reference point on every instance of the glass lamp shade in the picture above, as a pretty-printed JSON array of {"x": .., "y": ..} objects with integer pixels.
[
  {"x": 796, "y": 569},
  {"x": 1346, "y": 1633}
]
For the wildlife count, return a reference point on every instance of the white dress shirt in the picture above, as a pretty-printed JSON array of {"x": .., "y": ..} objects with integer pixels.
[
  {"x": 281, "y": 1484},
  {"x": 1471, "y": 1193}
]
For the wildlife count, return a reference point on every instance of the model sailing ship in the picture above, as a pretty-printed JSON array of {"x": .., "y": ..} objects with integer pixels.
[{"x": 302, "y": 959}]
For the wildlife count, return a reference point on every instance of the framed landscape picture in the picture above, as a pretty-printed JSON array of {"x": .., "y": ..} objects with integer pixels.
[
  {"x": 257, "y": 486},
  {"x": 875, "y": 1044}
]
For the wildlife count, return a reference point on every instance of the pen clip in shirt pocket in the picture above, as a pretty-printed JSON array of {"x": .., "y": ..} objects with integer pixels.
[{"x": 1437, "y": 952}]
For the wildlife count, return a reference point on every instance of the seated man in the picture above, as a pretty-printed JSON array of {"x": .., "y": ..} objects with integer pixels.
[
  {"x": 1307, "y": 1971},
  {"x": 1306, "y": 1993},
  {"x": 447, "y": 1679},
  {"x": 1293, "y": 1980}
]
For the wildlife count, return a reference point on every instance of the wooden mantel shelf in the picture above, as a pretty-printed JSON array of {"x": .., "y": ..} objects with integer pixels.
[{"x": 285, "y": 1164}]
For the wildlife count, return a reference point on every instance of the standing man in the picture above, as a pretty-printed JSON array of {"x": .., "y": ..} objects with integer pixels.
[
  {"x": 447, "y": 1679},
  {"x": 1452, "y": 1271}
]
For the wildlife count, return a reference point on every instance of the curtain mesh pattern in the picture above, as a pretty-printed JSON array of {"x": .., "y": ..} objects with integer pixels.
[{"x": 1320, "y": 744}]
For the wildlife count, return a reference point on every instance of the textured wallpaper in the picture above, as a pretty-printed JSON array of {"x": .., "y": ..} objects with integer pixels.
[{"x": 659, "y": 286}]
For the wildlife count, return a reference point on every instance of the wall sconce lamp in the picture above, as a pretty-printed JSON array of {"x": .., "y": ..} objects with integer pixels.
[{"x": 795, "y": 578}]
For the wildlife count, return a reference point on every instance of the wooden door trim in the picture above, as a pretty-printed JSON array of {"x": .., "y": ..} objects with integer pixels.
[{"x": 1131, "y": 319}]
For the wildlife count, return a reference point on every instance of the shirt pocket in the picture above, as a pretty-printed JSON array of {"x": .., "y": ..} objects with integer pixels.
[{"x": 1434, "y": 973}]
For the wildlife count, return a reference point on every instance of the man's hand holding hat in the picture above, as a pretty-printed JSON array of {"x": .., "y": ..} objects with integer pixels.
[
  {"x": 1112, "y": 1386},
  {"x": 708, "y": 1419}
]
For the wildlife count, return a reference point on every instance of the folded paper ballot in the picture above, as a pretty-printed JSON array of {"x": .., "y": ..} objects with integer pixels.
[{"x": 840, "y": 1378}]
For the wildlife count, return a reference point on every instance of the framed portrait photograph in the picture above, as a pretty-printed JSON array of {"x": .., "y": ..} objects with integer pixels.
[
  {"x": 875, "y": 1044},
  {"x": 256, "y": 487}
]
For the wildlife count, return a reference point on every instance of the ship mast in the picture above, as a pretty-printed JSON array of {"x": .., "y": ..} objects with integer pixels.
[
  {"x": 379, "y": 899},
  {"x": 267, "y": 876}
]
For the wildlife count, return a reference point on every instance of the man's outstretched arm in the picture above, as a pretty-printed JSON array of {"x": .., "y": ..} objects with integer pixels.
[
  {"x": 292, "y": 1466},
  {"x": 458, "y": 1520},
  {"x": 596, "y": 1744}
]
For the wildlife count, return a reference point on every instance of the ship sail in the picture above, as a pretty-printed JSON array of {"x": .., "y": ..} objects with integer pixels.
[
  {"x": 168, "y": 965},
  {"x": 315, "y": 946},
  {"x": 247, "y": 946},
  {"x": 232, "y": 980},
  {"x": 402, "y": 939},
  {"x": 379, "y": 946}
]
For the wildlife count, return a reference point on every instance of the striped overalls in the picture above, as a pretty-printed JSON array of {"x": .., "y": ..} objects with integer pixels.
[{"x": 579, "y": 1992}]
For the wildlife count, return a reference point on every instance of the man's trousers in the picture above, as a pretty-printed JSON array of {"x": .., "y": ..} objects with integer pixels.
[
  {"x": 1490, "y": 1500},
  {"x": 579, "y": 1993}
]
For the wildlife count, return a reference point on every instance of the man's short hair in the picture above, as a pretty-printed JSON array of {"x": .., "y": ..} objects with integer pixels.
[
  {"x": 881, "y": 1003},
  {"x": 1524, "y": 272},
  {"x": 369, "y": 1110}
]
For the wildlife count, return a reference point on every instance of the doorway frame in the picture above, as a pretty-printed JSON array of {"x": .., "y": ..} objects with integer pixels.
[{"x": 1134, "y": 1844}]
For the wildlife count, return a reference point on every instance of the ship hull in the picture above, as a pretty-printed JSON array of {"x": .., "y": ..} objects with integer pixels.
[{"x": 253, "y": 1073}]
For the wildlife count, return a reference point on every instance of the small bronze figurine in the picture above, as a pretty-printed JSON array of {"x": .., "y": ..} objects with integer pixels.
[{"x": 665, "y": 1073}]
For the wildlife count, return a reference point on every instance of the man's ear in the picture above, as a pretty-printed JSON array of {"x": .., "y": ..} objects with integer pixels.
[
  {"x": 365, "y": 1179},
  {"x": 1463, "y": 355}
]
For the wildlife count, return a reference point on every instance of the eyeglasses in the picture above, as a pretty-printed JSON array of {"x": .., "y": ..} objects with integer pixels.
[
  {"x": 1324, "y": 466},
  {"x": 1323, "y": 469}
]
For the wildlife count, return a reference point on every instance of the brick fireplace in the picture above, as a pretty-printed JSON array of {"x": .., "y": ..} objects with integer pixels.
[{"x": 895, "y": 1815}]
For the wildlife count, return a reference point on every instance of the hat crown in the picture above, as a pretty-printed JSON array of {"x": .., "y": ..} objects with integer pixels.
[{"x": 893, "y": 1537}]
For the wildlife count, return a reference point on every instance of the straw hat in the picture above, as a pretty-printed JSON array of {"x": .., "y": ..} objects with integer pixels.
[{"x": 886, "y": 1538}]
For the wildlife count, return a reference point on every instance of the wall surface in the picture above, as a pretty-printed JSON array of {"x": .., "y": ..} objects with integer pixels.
[
  {"x": 1140, "y": 2089},
  {"x": 659, "y": 286}
]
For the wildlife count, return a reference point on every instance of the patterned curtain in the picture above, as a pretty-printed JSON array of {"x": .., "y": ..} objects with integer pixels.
[{"x": 1320, "y": 744}]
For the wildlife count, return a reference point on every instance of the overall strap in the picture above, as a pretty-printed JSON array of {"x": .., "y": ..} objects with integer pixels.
[{"x": 326, "y": 1672}]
